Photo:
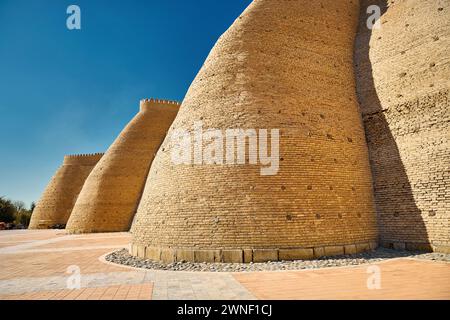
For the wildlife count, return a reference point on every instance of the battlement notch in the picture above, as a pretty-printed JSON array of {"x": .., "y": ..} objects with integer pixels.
[
  {"x": 146, "y": 103},
  {"x": 83, "y": 159}
]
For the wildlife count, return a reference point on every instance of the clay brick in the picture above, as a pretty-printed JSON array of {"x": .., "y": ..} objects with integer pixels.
[
  {"x": 334, "y": 250},
  {"x": 233, "y": 256},
  {"x": 296, "y": 254},
  {"x": 263, "y": 255}
]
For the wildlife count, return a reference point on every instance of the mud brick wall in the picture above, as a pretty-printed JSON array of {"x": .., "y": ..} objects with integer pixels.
[
  {"x": 109, "y": 198},
  {"x": 284, "y": 65},
  {"x": 58, "y": 199},
  {"x": 403, "y": 75}
]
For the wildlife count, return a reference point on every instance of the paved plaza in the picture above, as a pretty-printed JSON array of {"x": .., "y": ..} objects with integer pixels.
[{"x": 51, "y": 265}]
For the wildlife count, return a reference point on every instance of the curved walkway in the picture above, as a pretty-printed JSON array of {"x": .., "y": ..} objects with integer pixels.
[{"x": 49, "y": 264}]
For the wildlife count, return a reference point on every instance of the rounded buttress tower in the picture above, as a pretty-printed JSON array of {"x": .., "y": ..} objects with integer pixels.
[
  {"x": 59, "y": 197},
  {"x": 403, "y": 72},
  {"x": 283, "y": 65},
  {"x": 109, "y": 198}
]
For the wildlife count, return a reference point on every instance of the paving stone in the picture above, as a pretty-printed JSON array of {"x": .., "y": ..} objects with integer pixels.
[{"x": 20, "y": 279}]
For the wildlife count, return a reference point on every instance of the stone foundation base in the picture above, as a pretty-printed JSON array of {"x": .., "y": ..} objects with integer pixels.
[
  {"x": 414, "y": 246},
  {"x": 170, "y": 255}
]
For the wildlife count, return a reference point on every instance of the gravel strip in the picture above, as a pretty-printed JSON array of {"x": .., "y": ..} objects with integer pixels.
[{"x": 124, "y": 258}]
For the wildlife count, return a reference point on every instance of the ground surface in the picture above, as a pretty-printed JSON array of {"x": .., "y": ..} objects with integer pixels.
[
  {"x": 41, "y": 265},
  {"x": 123, "y": 257}
]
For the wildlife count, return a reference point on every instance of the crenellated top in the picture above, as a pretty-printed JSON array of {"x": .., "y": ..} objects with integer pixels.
[
  {"x": 145, "y": 103},
  {"x": 83, "y": 159}
]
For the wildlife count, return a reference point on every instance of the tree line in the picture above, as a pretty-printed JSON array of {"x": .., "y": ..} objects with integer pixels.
[{"x": 15, "y": 212}]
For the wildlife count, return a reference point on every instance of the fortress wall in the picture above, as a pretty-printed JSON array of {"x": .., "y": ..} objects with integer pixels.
[
  {"x": 284, "y": 65},
  {"x": 59, "y": 197},
  {"x": 109, "y": 198},
  {"x": 403, "y": 73}
]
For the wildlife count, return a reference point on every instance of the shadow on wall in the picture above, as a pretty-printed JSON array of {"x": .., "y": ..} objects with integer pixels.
[{"x": 400, "y": 222}]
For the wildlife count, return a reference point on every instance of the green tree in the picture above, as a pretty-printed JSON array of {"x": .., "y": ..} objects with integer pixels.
[
  {"x": 23, "y": 217},
  {"x": 32, "y": 206},
  {"x": 7, "y": 210}
]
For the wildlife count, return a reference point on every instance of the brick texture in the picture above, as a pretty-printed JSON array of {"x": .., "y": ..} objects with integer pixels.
[
  {"x": 110, "y": 195},
  {"x": 283, "y": 65},
  {"x": 403, "y": 72},
  {"x": 59, "y": 197}
]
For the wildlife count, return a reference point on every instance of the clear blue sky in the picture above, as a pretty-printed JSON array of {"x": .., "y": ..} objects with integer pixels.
[{"x": 67, "y": 92}]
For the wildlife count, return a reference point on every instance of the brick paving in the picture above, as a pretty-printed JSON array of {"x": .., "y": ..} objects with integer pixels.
[
  {"x": 34, "y": 266},
  {"x": 399, "y": 279}
]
